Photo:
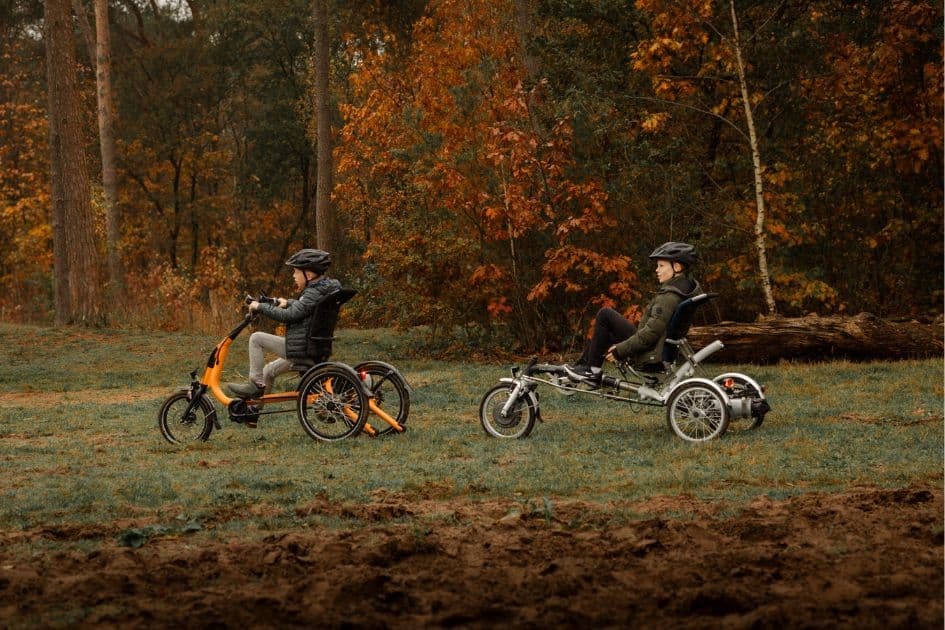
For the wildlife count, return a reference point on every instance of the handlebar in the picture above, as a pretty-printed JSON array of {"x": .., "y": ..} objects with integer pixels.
[{"x": 262, "y": 299}]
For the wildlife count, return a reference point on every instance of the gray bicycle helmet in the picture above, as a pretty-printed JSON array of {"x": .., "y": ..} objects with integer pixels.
[
  {"x": 676, "y": 252},
  {"x": 315, "y": 260}
]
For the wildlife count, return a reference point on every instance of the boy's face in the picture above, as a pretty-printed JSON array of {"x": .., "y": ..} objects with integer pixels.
[
  {"x": 299, "y": 276},
  {"x": 665, "y": 270}
]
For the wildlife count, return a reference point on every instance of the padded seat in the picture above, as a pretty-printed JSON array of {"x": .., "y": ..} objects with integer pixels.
[
  {"x": 322, "y": 329},
  {"x": 679, "y": 325}
]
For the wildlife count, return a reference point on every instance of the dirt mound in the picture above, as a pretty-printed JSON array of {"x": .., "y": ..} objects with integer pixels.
[{"x": 867, "y": 557}]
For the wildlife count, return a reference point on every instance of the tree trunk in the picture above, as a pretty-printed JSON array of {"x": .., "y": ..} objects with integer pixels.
[
  {"x": 756, "y": 164},
  {"x": 860, "y": 338},
  {"x": 85, "y": 28},
  {"x": 106, "y": 131},
  {"x": 324, "y": 213},
  {"x": 76, "y": 260},
  {"x": 525, "y": 25}
]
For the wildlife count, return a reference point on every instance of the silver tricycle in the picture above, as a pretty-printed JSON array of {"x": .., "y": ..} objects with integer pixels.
[{"x": 698, "y": 408}]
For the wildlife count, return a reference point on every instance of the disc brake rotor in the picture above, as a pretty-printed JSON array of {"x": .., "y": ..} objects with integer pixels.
[{"x": 507, "y": 422}]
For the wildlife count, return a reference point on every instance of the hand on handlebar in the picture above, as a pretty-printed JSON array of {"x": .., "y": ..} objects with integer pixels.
[
  {"x": 611, "y": 354},
  {"x": 254, "y": 302}
]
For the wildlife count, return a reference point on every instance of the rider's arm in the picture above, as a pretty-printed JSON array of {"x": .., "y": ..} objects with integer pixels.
[
  {"x": 652, "y": 327},
  {"x": 294, "y": 310}
]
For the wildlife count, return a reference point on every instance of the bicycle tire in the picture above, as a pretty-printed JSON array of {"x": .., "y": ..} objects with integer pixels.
[
  {"x": 390, "y": 393},
  {"x": 195, "y": 427},
  {"x": 516, "y": 424},
  {"x": 331, "y": 403}
]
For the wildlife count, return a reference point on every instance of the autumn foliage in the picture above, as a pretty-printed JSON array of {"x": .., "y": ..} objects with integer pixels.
[{"x": 502, "y": 168}]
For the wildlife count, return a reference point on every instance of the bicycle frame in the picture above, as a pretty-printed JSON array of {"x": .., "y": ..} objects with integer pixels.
[{"x": 642, "y": 389}]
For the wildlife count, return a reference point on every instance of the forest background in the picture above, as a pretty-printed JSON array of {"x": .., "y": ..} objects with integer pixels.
[{"x": 493, "y": 169}]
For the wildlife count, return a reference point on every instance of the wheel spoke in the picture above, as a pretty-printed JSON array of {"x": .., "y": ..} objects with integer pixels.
[{"x": 697, "y": 413}]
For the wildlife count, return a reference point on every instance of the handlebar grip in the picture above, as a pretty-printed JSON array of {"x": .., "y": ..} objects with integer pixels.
[{"x": 262, "y": 299}]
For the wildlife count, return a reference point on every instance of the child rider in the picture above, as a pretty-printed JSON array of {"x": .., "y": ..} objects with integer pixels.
[
  {"x": 308, "y": 269},
  {"x": 616, "y": 339}
]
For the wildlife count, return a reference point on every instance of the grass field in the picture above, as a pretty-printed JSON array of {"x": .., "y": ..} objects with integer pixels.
[{"x": 82, "y": 455}]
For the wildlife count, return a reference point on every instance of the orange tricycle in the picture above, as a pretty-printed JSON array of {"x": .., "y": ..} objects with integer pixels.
[{"x": 333, "y": 400}]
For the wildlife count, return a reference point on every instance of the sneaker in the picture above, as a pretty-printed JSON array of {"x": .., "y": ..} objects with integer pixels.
[
  {"x": 246, "y": 390},
  {"x": 579, "y": 373}
]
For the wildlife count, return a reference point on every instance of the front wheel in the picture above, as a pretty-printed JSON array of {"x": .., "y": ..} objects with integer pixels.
[
  {"x": 697, "y": 412},
  {"x": 179, "y": 426},
  {"x": 517, "y": 422},
  {"x": 331, "y": 403}
]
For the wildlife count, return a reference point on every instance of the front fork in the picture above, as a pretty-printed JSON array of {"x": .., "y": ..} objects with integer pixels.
[
  {"x": 522, "y": 388},
  {"x": 513, "y": 398},
  {"x": 194, "y": 395}
]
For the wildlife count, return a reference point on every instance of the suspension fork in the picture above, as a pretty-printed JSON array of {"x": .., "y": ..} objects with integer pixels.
[
  {"x": 517, "y": 392},
  {"x": 195, "y": 394}
]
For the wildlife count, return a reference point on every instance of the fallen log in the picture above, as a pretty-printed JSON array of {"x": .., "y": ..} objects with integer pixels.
[{"x": 862, "y": 337}]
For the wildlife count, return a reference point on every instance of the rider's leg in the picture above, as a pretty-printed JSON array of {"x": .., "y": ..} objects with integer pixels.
[
  {"x": 274, "y": 368},
  {"x": 610, "y": 327},
  {"x": 260, "y": 343}
]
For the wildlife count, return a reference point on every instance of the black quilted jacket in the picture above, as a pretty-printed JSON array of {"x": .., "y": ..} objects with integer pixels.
[{"x": 298, "y": 312}]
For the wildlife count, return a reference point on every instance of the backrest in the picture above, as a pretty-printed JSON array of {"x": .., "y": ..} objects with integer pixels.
[
  {"x": 680, "y": 322},
  {"x": 322, "y": 327}
]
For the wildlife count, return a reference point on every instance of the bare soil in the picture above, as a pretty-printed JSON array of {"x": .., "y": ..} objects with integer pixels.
[
  {"x": 861, "y": 558},
  {"x": 45, "y": 400}
]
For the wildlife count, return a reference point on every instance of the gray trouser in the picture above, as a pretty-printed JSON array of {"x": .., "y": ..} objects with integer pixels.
[{"x": 261, "y": 372}]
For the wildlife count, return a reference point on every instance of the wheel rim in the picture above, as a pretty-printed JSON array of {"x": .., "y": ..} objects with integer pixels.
[
  {"x": 179, "y": 428},
  {"x": 331, "y": 407},
  {"x": 698, "y": 414},
  {"x": 388, "y": 394},
  {"x": 510, "y": 425}
]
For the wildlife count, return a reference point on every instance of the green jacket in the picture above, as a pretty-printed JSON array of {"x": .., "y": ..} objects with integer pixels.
[{"x": 645, "y": 346}]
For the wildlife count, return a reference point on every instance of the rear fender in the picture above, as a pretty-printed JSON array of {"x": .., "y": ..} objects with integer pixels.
[
  {"x": 313, "y": 371},
  {"x": 386, "y": 367},
  {"x": 704, "y": 381},
  {"x": 745, "y": 377}
]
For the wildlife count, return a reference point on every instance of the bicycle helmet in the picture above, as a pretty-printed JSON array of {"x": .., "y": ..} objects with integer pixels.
[
  {"x": 676, "y": 252},
  {"x": 315, "y": 260}
]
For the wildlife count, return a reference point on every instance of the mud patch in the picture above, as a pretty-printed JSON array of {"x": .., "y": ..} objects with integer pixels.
[
  {"x": 864, "y": 557},
  {"x": 82, "y": 396}
]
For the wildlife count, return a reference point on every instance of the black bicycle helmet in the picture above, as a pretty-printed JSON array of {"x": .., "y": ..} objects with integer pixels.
[
  {"x": 676, "y": 252},
  {"x": 315, "y": 260}
]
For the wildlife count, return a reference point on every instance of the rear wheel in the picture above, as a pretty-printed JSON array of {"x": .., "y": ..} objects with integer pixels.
[
  {"x": 390, "y": 393},
  {"x": 697, "y": 412},
  {"x": 331, "y": 404},
  {"x": 179, "y": 426},
  {"x": 517, "y": 422},
  {"x": 738, "y": 386}
]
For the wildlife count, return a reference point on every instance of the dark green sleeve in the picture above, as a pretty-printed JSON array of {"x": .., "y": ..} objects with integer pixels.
[{"x": 652, "y": 326}]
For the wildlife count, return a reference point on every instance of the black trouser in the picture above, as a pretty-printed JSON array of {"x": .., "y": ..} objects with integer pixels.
[{"x": 610, "y": 327}]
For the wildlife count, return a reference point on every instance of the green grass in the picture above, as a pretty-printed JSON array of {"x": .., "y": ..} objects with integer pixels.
[{"x": 74, "y": 458}]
